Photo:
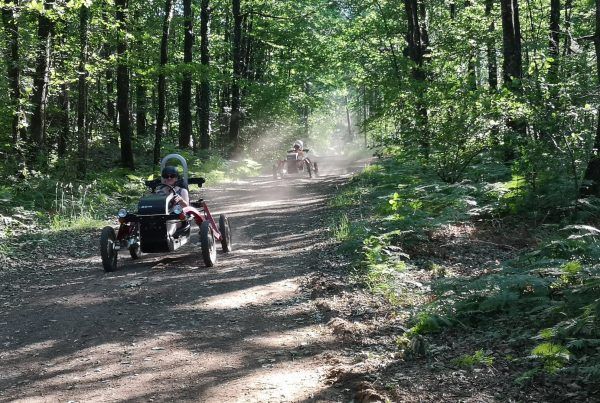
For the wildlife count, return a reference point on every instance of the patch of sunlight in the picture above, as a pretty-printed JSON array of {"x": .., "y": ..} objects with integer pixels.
[
  {"x": 260, "y": 294},
  {"x": 111, "y": 371},
  {"x": 299, "y": 337},
  {"x": 295, "y": 381}
]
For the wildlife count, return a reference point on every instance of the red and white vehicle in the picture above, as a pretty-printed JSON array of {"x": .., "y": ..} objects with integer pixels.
[{"x": 160, "y": 225}]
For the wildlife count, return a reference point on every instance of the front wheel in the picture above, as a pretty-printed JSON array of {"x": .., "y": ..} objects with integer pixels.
[
  {"x": 225, "y": 233},
  {"x": 207, "y": 244},
  {"x": 108, "y": 250},
  {"x": 135, "y": 250},
  {"x": 309, "y": 169}
]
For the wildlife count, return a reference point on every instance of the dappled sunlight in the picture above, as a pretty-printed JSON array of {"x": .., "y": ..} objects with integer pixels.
[
  {"x": 286, "y": 381},
  {"x": 291, "y": 339},
  {"x": 252, "y": 295}
]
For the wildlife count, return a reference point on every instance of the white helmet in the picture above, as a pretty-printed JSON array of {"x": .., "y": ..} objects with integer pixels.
[{"x": 299, "y": 144}]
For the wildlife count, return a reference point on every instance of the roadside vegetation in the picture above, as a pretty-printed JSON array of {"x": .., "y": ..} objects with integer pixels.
[{"x": 483, "y": 261}]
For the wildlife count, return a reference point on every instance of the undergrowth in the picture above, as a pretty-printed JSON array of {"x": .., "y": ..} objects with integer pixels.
[{"x": 545, "y": 303}]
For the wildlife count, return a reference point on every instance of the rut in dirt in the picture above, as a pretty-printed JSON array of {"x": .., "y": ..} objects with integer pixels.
[{"x": 165, "y": 327}]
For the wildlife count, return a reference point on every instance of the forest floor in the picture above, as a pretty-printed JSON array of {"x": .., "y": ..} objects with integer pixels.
[{"x": 276, "y": 320}]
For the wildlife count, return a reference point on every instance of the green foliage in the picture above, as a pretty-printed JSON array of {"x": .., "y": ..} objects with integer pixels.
[
  {"x": 479, "y": 357},
  {"x": 553, "y": 356},
  {"x": 341, "y": 230}
]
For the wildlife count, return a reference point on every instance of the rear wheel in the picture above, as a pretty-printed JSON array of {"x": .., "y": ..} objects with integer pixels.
[
  {"x": 316, "y": 168},
  {"x": 207, "y": 244},
  {"x": 108, "y": 250},
  {"x": 225, "y": 233},
  {"x": 309, "y": 169}
]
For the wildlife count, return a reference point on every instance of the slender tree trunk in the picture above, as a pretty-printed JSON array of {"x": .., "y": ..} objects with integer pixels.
[
  {"x": 234, "y": 123},
  {"x": 82, "y": 87},
  {"x": 417, "y": 39},
  {"x": 185, "y": 98},
  {"x": 11, "y": 31},
  {"x": 512, "y": 65},
  {"x": 64, "y": 134},
  {"x": 106, "y": 52},
  {"x": 553, "y": 46},
  {"x": 349, "y": 122},
  {"x": 491, "y": 48},
  {"x": 204, "y": 99},
  {"x": 41, "y": 81},
  {"x": 224, "y": 91},
  {"x": 567, "y": 31},
  {"x": 123, "y": 87},
  {"x": 141, "y": 103},
  {"x": 592, "y": 172},
  {"x": 162, "y": 83},
  {"x": 512, "y": 69}
]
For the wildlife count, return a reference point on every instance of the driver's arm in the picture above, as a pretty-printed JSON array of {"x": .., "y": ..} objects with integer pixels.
[{"x": 183, "y": 198}]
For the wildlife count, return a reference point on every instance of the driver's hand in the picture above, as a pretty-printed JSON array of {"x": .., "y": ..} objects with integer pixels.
[{"x": 177, "y": 198}]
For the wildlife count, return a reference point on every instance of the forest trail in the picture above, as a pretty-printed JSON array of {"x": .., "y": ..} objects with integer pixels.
[{"x": 167, "y": 328}]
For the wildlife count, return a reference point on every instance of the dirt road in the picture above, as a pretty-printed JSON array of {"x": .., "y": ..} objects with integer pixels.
[{"x": 167, "y": 328}]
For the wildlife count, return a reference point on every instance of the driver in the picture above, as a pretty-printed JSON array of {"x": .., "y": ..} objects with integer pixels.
[
  {"x": 299, "y": 148},
  {"x": 170, "y": 176}
]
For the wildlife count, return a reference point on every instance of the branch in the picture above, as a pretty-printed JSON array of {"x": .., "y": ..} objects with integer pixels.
[
  {"x": 586, "y": 38},
  {"x": 276, "y": 17}
]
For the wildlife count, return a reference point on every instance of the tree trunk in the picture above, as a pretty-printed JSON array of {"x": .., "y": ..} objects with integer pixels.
[
  {"x": 82, "y": 100},
  {"x": 512, "y": 69},
  {"x": 234, "y": 123},
  {"x": 11, "y": 31},
  {"x": 41, "y": 81},
  {"x": 491, "y": 48},
  {"x": 185, "y": 98},
  {"x": 553, "y": 46},
  {"x": 65, "y": 110},
  {"x": 349, "y": 122},
  {"x": 512, "y": 65},
  {"x": 123, "y": 87},
  {"x": 224, "y": 93},
  {"x": 106, "y": 52},
  {"x": 141, "y": 122},
  {"x": 567, "y": 31},
  {"x": 417, "y": 39},
  {"x": 592, "y": 172},
  {"x": 162, "y": 84},
  {"x": 204, "y": 99}
]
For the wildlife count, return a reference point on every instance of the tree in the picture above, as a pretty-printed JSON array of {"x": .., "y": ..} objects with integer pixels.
[
  {"x": 185, "y": 98},
  {"x": 417, "y": 39},
  {"x": 512, "y": 65},
  {"x": 554, "y": 48},
  {"x": 123, "y": 87},
  {"x": 491, "y": 48},
  {"x": 11, "y": 30},
  {"x": 236, "y": 116},
  {"x": 162, "y": 84},
  {"x": 82, "y": 100},
  {"x": 41, "y": 81},
  {"x": 204, "y": 96},
  {"x": 592, "y": 172}
]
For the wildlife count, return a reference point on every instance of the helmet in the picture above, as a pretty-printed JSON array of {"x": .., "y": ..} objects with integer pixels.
[
  {"x": 169, "y": 170},
  {"x": 299, "y": 144}
]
